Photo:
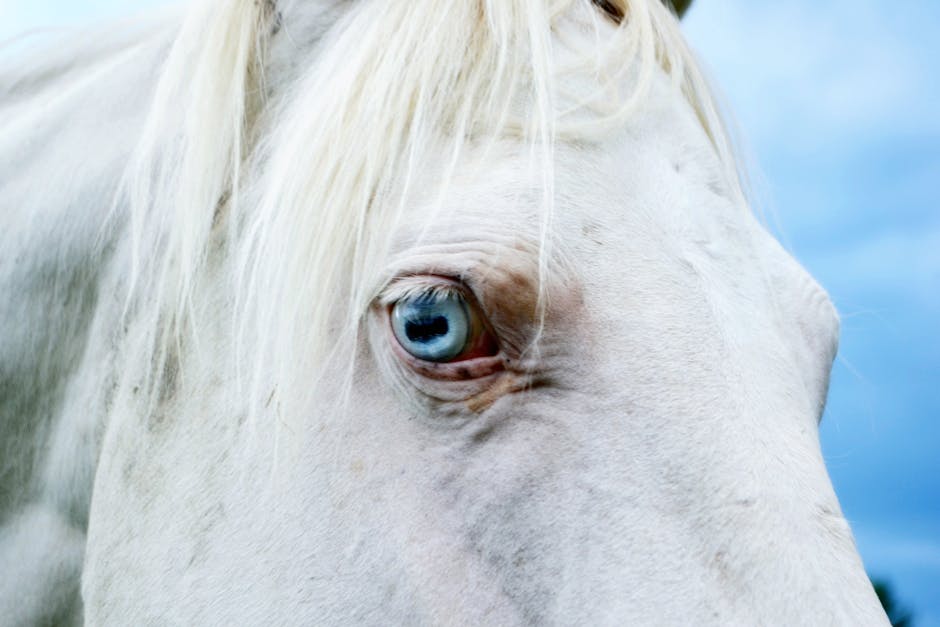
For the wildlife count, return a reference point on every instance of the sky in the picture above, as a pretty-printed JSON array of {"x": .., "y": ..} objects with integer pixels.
[{"x": 837, "y": 105}]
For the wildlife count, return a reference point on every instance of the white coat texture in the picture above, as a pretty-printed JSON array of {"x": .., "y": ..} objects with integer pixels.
[{"x": 205, "y": 418}]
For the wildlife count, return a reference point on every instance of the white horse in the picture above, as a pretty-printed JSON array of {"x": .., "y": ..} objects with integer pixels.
[{"x": 397, "y": 312}]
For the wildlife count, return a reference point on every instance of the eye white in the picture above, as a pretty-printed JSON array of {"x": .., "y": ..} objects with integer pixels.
[{"x": 432, "y": 327}]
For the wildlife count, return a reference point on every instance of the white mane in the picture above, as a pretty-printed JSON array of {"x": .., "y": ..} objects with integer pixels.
[
  {"x": 291, "y": 178},
  {"x": 301, "y": 184}
]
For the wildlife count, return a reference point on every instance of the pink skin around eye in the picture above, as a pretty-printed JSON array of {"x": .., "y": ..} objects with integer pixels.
[
  {"x": 483, "y": 345},
  {"x": 463, "y": 370}
]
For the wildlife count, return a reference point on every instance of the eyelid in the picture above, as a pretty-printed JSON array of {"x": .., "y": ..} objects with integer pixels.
[{"x": 414, "y": 286}]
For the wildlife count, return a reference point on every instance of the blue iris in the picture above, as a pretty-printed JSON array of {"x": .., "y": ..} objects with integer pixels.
[{"x": 432, "y": 327}]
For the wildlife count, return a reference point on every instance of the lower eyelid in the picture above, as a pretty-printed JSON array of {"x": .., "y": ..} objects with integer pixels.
[{"x": 464, "y": 370}]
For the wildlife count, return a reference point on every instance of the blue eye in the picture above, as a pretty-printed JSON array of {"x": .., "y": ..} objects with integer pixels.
[{"x": 433, "y": 327}]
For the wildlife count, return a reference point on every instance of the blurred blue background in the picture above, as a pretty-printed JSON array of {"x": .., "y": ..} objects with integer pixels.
[{"x": 838, "y": 104}]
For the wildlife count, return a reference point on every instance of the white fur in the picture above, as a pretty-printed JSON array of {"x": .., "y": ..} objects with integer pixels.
[
  {"x": 201, "y": 316},
  {"x": 70, "y": 118}
]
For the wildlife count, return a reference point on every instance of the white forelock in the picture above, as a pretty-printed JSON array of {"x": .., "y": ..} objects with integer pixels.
[{"x": 306, "y": 180}]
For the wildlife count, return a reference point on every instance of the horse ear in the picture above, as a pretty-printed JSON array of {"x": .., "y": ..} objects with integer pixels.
[
  {"x": 679, "y": 6},
  {"x": 616, "y": 12}
]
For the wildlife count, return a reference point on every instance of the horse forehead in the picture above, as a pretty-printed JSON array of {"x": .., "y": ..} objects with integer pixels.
[{"x": 638, "y": 189}]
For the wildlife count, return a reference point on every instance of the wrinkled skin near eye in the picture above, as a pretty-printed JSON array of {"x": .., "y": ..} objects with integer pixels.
[{"x": 441, "y": 326}]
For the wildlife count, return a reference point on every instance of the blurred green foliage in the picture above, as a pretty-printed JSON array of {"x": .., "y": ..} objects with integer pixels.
[
  {"x": 681, "y": 6},
  {"x": 897, "y": 614}
]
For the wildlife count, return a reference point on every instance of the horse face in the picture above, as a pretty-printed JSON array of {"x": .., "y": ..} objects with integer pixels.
[
  {"x": 645, "y": 445},
  {"x": 629, "y": 437},
  {"x": 622, "y": 431}
]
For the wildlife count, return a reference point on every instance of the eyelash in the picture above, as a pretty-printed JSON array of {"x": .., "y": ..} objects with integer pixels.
[{"x": 415, "y": 286}]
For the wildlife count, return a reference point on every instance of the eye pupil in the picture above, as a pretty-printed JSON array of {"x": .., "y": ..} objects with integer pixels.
[{"x": 426, "y": 329}]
